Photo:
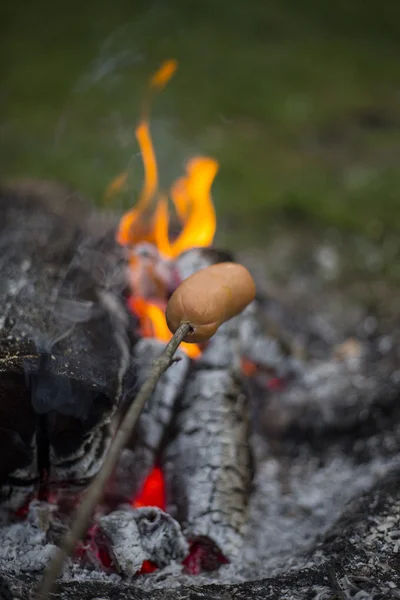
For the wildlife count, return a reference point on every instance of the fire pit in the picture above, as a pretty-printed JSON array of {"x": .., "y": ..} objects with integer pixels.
[{"x": 238, "y": 477}]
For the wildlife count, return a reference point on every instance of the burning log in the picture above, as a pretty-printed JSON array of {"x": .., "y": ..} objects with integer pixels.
[
  {"x": 140, "y": 456},
  {"x": 208, "y": 465},
  {"x": 359, "y": 551},
  {"x": 189, "y": 309},
  {"x": 64, "y": 349}
]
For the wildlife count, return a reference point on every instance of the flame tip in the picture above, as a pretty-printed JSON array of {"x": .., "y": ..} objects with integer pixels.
[{"x": 164, "y": 73}]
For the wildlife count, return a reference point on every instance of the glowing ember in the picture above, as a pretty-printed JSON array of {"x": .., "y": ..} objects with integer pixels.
[
  {"x": 204, "y": 555},
  {"x": 153, "y": 491},
  {"x": 248, "y": 368}
]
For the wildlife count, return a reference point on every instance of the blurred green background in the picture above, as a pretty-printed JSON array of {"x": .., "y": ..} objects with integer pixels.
[{"x": 299, "y": 101}]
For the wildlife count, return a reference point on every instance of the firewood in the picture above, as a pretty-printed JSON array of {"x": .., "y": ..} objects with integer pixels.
[
  {"x": 64, "y": 348},
  {"x": 228, "y": 308},
  {"x": 208, "y": 465}
]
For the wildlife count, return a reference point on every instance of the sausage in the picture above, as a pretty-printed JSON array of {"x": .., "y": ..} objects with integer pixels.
[{"x": 208, "y": 298}]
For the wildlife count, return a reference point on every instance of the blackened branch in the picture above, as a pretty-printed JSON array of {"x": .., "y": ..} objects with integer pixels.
[{"x": 96, "y": 489}]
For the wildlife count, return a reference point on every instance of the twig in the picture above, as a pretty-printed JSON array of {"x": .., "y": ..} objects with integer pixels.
[{"x": 96, "y": 489}]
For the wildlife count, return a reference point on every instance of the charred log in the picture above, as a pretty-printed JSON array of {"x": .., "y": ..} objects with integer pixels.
[
  {"x": 64, "y": 348},
  {"x": 208, "y": 465}
]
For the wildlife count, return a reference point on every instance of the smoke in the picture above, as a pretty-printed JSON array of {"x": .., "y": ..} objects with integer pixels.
[
  {"x": 116, "y": 54},
  {"x": 50, "y": 393}
]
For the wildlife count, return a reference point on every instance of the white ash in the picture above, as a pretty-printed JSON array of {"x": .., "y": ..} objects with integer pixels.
[
  {"x": 194, "y": 260},
  {"x": 133, "y": 536},
  {"x": 292, "y": 506},
  {"x": 75, "y": 572},
  {"x": 24, "y": 546},
  {"x": 296, "y": 504},
  {"x": 262, "y": 349},
  {"x": 333, "y": 395}
]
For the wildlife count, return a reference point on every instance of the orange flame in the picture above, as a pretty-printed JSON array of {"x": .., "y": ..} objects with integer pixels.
[
  {"x": 190, "y": 195},
  {"x": 164, "y": 74},
  {"x": 132, "y": 227},
  {"x": 149, "y": 220},
  {"x": 153, "y": 324}
]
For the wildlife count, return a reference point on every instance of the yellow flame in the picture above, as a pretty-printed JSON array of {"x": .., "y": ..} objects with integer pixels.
[
  {"x": 191, "y": 195},
  {"x": 191, "y": 198},
  {"x": 150, "y": 165},
  {"x": 194, "y": 206}
]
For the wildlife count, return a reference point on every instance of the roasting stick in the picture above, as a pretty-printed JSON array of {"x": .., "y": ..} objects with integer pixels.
[
  {"x": 95, "y": 491},
  {"x": 196, "y": 309}
]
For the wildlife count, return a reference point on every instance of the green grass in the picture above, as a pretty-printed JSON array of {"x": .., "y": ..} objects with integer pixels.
[{"x": 299, "y": 101}]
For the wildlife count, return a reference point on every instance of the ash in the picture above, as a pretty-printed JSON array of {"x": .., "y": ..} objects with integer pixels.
[
  {"x": 24, "y": 546},
  {"x": 135, "y": 536},
  {"x": 303, "y": 502},
  {"x": 293, "y": 505},
  {"x": 324, "y": 513}
]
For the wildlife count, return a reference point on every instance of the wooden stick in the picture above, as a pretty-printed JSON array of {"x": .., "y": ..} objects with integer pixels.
[{"x": 96, "y": 489}]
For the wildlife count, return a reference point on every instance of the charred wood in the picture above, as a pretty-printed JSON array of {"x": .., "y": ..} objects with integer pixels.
[
  {"x": 207, "y": 465},
  {"x": 140, "y": 456},
  {"x": 64, "y": 348}
]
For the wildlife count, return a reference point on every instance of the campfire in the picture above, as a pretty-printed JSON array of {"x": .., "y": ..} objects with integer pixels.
[
  {"x": 157, "y": 263},
  {"x": 180, "y": 490},
  {"x": 243, "y": 459}
]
